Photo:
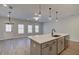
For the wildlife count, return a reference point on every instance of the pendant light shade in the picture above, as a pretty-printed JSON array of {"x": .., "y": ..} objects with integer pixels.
[{"x": 36, "y": 17}]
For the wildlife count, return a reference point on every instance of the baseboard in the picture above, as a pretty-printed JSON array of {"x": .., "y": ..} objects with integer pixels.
[{"x": 73, "y": 41}]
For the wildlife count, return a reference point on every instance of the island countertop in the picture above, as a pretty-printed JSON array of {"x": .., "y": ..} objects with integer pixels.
[{"x": 45, "y": 37}]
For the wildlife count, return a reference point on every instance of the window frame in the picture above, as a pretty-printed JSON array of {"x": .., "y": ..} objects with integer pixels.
[
  {"x": 21, "y": 29},
  {"x": 36, "y": 28},
  {"x": 8, "y": 27},
  {"x": 30, "y": 28}
]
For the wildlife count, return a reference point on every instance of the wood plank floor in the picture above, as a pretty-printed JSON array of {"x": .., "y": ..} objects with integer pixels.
[{"x": 73, "y": 49}]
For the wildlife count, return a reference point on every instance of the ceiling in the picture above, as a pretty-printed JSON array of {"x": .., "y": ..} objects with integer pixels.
[{"x": 26, "y": 11}]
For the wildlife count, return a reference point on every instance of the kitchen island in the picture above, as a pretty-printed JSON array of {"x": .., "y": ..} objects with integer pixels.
[{"x": 48, "y": 45}]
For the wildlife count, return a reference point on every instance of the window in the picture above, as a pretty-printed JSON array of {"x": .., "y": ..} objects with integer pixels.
[
  {"x": 8, "y": 27},
  {"x": 29, "y": 28},
  {"x": 36, "y": 28},
  {"x": 20, "y": 28}
]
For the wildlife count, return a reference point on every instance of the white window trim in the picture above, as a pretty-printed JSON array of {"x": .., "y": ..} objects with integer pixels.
[
  {"x": 30, "y": 28},
  {"x": 36, "y": 28},
  {"x": 8, "y": 27},
  {"x": 20, "y": 28}
]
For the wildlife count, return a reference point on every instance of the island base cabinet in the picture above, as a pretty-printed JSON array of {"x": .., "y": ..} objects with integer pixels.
[
  {"x": 66, "y": 43},
  {"x": 45, "y": 51},
  {"x": 49, "y": 51},
  {"x": 47, "y": 48},
  {"x": 53, "y": 47},
  {"x": 35, "y": 48},
  {"x": 60, "y": 45}
]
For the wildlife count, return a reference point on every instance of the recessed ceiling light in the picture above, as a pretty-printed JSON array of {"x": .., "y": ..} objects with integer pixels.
[{"x": 5, "y": 5}]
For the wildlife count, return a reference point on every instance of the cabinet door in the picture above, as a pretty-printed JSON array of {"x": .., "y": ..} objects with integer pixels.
[
  {"x": 66, "y": 43},
  {"x": 53, "y": 48},
  {"x": 45, "y": 51},
  {"x": 60, "y": 44},
  {"x": 50, "y": 48},
  {"x": 19, "y": 46},
  {"x": 35, "y": 48}
]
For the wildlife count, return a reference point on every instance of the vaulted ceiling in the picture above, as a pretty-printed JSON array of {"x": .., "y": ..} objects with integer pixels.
[{"x": 26, "y": 11}]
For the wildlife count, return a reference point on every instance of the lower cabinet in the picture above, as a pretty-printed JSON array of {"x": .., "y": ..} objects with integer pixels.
[
  {"x": 66, "y": 43},
  {"x": 35, "y": 48},
  {"x": 53, "y": 47},
  {"x": 45, "y": 51},
  {"x": 49, "y": 48},
  {"x": 14, "y": 46},
  {"x": 60, "y": 44}
]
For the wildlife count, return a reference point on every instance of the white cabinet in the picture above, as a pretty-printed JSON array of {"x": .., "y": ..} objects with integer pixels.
[
  {"x": 60, "y": 44},
  {"x": 14, "y": 46},
  {"x": 35, "y": 48},
  {"x": 66, "y": 43},
  {"x": 47, "y": 48},
  {"x": 53, "y": 47},
  {"x": 45, "y": 51},
  {"x": 6, "y": 47}
]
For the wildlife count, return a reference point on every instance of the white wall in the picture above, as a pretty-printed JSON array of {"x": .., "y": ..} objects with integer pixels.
[
  {"x": 14, "y": 33},
  {"x": 68, "y": 25}
]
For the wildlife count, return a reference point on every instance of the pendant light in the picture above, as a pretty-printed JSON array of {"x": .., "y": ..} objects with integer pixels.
[
  {"x": 39, "y": 13},
  {"x": 9, "y": 15},
  {"x": 56, "y": 16},
  {"x": 35, "y": 17},
  {"x": 50, "y": 17}
]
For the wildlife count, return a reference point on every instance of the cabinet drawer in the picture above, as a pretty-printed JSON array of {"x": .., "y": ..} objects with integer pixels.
[{"x": 48, "y": 44}]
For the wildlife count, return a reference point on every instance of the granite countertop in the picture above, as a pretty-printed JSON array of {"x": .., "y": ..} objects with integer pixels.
[{"x": 45, "y": 37}]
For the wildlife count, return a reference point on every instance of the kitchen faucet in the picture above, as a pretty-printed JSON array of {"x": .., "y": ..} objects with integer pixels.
[{"x": 53, "y": 30}]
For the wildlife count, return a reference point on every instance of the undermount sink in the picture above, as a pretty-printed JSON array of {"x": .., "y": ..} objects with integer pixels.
[{"x": 56, "y": 35}]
